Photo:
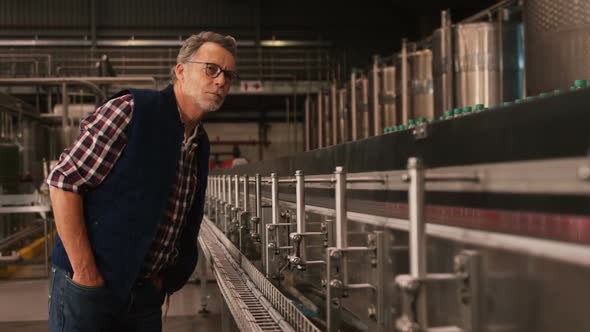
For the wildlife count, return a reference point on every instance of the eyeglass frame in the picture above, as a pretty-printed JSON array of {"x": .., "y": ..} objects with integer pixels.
[{"x": 232, "y": 74}]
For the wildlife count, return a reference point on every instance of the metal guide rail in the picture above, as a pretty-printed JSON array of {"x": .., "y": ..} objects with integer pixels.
[
  {"x": 237, "y": 225},
  {"x": 35, "y": 203},
  {"x": 250, "y": 297}
]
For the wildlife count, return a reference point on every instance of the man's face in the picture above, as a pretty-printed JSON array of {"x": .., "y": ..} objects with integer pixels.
[{"x": 204, "y": 92}]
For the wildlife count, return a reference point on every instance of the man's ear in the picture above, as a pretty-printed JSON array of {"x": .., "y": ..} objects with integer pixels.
[{"x": 179, "y": 71}]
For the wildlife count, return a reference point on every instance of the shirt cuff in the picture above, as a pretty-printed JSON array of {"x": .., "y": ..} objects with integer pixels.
[{"x": 58, "y": 180}]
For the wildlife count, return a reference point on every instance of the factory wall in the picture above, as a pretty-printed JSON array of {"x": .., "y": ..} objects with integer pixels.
[{"x": 278, "y": 136}]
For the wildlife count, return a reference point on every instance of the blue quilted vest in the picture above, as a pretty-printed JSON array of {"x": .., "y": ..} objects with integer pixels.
[{"x": 122, "y": 213}]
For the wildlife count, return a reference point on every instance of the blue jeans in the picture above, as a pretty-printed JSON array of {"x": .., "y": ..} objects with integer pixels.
[{"x": 74, "y": 308}]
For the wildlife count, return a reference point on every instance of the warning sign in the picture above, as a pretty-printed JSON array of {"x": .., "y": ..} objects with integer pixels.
[{"x": 251, "y": 86}]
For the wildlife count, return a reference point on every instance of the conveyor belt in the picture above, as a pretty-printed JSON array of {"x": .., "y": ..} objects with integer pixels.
[{"x": 254, "y": 302}]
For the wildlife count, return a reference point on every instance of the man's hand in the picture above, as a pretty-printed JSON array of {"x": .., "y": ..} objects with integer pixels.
[
  {"x": 69, "y": 220},
  {"x": 88, "y": 279}
]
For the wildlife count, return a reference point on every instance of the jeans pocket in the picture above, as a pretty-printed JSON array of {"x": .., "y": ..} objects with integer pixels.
[
  {"x": 76, "y": 286},
  {"x": 50, "y": 288},
  {"x": 86, "y": 308}
]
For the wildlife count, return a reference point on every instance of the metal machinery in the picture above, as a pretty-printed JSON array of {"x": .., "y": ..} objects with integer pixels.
[
  {"x": 21, "y": 215},
  {"x": 556, "y": 43},
  {"x": 478, "y": 222},
  {"x": 474, "y": 218},
  {"x": 479, "y": 60}
]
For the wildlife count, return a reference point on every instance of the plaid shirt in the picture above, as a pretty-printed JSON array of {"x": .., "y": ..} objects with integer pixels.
[{"x": 88, "y": 162}]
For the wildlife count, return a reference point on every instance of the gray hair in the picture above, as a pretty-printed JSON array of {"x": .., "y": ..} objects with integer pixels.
[{"x": 192, "y": 44}]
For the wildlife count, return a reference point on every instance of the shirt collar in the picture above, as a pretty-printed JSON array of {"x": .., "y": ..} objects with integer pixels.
[
  {"x": 196, "y": 132},
  {"x": 193, "y": 138}
]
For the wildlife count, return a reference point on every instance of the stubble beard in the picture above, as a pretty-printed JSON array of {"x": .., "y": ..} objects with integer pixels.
[{"x": 210, "y": 106}]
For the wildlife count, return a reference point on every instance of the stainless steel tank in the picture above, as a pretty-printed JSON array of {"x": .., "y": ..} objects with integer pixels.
[
  {"x": 31, "y": 149},
  {"x": 442, "y": 70},
  {"x": 419, "y": 86},
  {"x": 388, "y": 96},
  {"x": 487, "y": 66},
  {"x": 557, "y": 43}
]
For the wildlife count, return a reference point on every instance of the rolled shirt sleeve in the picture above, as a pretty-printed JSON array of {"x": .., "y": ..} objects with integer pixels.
[{"x": 90, "y": 159}]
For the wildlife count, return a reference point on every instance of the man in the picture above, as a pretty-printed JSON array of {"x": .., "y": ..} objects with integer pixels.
[{"x": 128, "y": 196}]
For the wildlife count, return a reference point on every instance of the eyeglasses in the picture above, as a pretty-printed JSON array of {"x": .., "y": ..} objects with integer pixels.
[{"x": 213, "y": 70}]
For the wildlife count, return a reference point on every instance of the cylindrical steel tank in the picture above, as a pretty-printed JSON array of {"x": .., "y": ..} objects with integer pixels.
[
  {"x": 487, "y": 69},
  {"x": 419, "y": 86},
  {"x": 388, "y": 96},
  {"x": 442, "y": 70},
  {"x": 442, "y": 65},
  {"x": 29, "y": 137},
  {"x": 557, "y": 43}
]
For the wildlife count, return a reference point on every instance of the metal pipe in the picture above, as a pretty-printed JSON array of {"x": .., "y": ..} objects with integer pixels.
[
  {"x": 221, "y": 188},
  {"x": 295, "y": 127},
  {"x": 258, "y": 198},
  {"x": 93, "y": 22},
  {"x": 487, "y": 11},
  {"x": 19, "y": 111},
  {"x": 13, "y": 61},
  {"x": 360, "y": 286},
  {"x": 246, "y": 192},
  {"x": 500, "y": 53},
  {"x": 353, "y": 114},
  {"x": 366, "y": 124},
  {"x": 237, "y": 191},
  {"x": 228, "y": 206},
  {"x": 341, "y": 219},
  {"x": 87, "y": 81},
  {"x": 218, "y": 202},
  {"x": 274, "y": 179},
  {"x": 211, "y": 186},
  {"x": 227, "y": 185},
  {"x": 320, "y": 120},
  {"x": 447, "y": 56},
  {"x": 265, "y": 251},
  {"x": 327, "y": 123},
  {"x": 307, "y": 124},
  {"x": 229, "y": 189},
  {"x": 334, "y": 114},
  {"x": 287, "y": 110},
  {"x": 131, "y": 42},
  {"x": 22, "y": 55},
  {"x": 217, "y": 188},
  {"x": 404, "y": 87},
  {"x": 267, "y": 43},
  {"x": 377, "y": 122},
  {"x": 49, "y": 99},
  {"x": 300, "y": 202},
  {"x": 239, "y": 142},
  {"x": 417, "y": 234},
  {"x": 65, "y": 123},
  {"x": 343, "y": 115}
]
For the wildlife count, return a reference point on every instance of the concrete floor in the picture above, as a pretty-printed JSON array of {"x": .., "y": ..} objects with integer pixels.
[{"x": 23, "y": 307}]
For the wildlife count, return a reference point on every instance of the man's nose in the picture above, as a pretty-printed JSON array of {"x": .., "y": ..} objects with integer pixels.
[{"x": 220, "y": 80}]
